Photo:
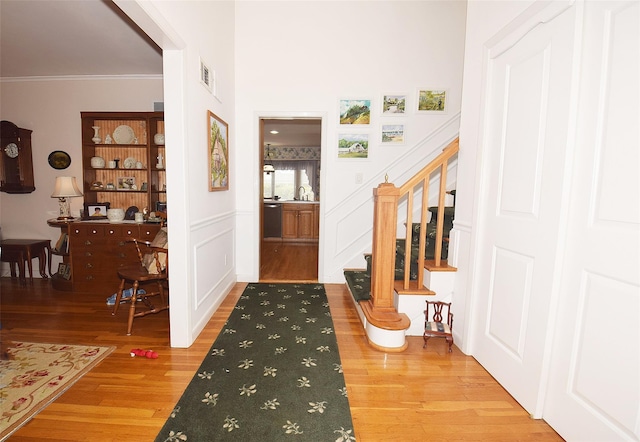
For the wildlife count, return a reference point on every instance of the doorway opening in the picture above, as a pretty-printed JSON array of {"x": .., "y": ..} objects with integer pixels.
[{"x": 290, "y": 153}]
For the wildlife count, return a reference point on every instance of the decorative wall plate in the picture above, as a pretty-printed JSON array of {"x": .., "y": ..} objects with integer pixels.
[
  {"x": 124, "y": 134},
  {"x": 131, "y": 212},
  {"x": 59, "y": 159},
  {"x": 129, "y": 163}
]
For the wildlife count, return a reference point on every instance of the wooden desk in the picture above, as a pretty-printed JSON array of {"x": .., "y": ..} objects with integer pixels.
[
  {"x": 21, "y": 250},
  {"x": 96, "y": 249}
]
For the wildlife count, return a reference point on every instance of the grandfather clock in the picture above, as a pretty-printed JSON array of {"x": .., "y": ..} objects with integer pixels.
[{"x": 16, "y": 162}]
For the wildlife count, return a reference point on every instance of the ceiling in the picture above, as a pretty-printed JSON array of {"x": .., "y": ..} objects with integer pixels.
[
  {"x": 47, "y": 38},
  {"x": 298, "y": 132},
  {"x": 68, "y": 38}
]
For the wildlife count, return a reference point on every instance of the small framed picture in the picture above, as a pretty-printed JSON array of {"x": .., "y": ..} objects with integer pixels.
[
  {"x": 392, "y": 134},
  {"x": 394, "y": 105},
  {"x": 95, "y": 210},
  {"x": 67, "y": 273},
  {"x": 431, "y": 101},
  {"x": 353, "y": 145},
  {"x": 218, "y": 152},
  {"x": 355, "y": 111},
  {"x": 127, "y": 183},
  {"x": 62, "y": 268},
  {"x": 161, "y": 206}
]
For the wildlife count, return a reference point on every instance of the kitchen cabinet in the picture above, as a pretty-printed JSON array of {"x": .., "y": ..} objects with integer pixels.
[{"x": 300, "y": 222}]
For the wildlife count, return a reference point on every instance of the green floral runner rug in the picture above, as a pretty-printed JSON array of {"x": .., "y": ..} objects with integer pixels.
[
  {"x": 273, "y": 374},
  {"x": 35, "y": 374}
]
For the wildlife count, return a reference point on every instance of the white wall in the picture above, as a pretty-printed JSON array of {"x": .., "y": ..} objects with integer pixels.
[
  {"x": 202, "y": 227},
  {"x": 296, "y": 58},
  {"x": 51, "y": 108}
]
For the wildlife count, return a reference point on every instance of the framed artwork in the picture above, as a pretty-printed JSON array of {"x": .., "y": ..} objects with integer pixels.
[
  {"x": 355, "y": 111},
  {"x": 67, "y": 272},
  {"x": 127, "y": 183},
  {"x": 394, "y": 105},
  {"x": 62, "y": 268},
  {"x": 431, "y": 101},
  {"x": 392, "y": 134},
  {"x": 205, "y": 76},
  {"x": 59, "y": 159},
  {"x": 218, "y": 132},
  {"x": 95, "y": 210},
  {"x": 352, "y": 145},
  {"x": 161, "y": 206}
]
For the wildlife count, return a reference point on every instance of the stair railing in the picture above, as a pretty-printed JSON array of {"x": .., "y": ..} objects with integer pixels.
[{"x": 386, "y": 200}]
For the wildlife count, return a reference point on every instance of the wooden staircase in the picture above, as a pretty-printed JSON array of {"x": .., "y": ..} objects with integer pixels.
[{"x": 380, "y": 294}]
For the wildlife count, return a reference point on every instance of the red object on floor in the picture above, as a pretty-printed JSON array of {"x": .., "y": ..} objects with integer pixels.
[{"x": 149, "y": 354}]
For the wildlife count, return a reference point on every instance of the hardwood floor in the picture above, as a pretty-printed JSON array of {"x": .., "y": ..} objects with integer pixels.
[
  {"x": 286, "y": 261},
  {"x": 418, "y": 395}
]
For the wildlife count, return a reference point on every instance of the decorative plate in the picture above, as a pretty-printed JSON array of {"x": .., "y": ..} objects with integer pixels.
[
  {"x": 124, "y": 134},
  {"x": 131, "y": 212},
  {"x": 59, "y": 159},
  {"x": 129, "y": 163}
]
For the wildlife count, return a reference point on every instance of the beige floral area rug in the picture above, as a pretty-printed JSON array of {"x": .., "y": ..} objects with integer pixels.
[{"x": 35, "y": 374}]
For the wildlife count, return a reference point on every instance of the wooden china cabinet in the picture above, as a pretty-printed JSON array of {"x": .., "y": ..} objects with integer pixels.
[
  {"x": 123, "y": 165},
  {"x": 134, "y": 141}
]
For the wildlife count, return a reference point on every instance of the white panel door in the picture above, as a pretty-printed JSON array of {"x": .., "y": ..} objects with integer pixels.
[
  {"x": 526, "y": 115},
  {"x": 594, "y": 385}
]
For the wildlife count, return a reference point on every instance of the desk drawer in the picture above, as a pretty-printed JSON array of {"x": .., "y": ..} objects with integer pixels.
[
  {"x": 78, "y": 230},
  {"x": 149, "y": 231},
  {"x": 128, "y": 231},
  {"x": 98, "y": 250}
]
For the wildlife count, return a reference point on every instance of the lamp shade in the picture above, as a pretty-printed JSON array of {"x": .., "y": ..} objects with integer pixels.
[{"x": 66, "y": 187}]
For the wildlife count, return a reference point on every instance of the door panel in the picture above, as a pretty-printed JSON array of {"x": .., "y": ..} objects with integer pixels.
[
  {"x": 594, "y": 384},
  {"x": 525, "y": 123}
]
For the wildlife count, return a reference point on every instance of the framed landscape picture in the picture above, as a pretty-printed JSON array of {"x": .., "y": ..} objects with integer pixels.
[
  {"x": 355, "y": 111},
  {"x": 351, "y": 145},
  {"x": 218, "y": 153},
  {"x": 392, "y": 134},
  {"x": 394, "y": 105},
  {"x": 432, "y": 101}
]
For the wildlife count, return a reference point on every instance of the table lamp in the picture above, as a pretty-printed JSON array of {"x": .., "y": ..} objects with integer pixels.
[{"x": 66, "y": 188}]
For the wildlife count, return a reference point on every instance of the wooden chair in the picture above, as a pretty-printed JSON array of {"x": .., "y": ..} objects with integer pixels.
[
  {"x": 433, "y": 325},
  {"x": 151, "y": 274}
]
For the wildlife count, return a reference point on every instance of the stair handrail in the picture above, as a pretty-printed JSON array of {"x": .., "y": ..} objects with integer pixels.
[{"x": 386, "y": 199}]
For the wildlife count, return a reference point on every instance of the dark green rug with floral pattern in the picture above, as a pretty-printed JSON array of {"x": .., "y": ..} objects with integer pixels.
[{"x": 273, "y": 374}]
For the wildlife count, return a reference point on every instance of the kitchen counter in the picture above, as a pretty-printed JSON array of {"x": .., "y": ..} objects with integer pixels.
[{"x": 266, "y": 201}]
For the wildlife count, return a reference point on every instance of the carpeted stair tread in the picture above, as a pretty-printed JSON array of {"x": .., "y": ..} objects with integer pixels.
[{"x": 359, "y": 282}]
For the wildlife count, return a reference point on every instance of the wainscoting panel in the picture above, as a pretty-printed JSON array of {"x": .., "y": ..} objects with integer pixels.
[
  {"x": 213, "y": 258},
  {"x": 212, "y": 263}
]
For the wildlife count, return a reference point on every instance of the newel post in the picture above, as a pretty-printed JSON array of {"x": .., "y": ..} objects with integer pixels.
[{"x": 385, "y": 215}]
